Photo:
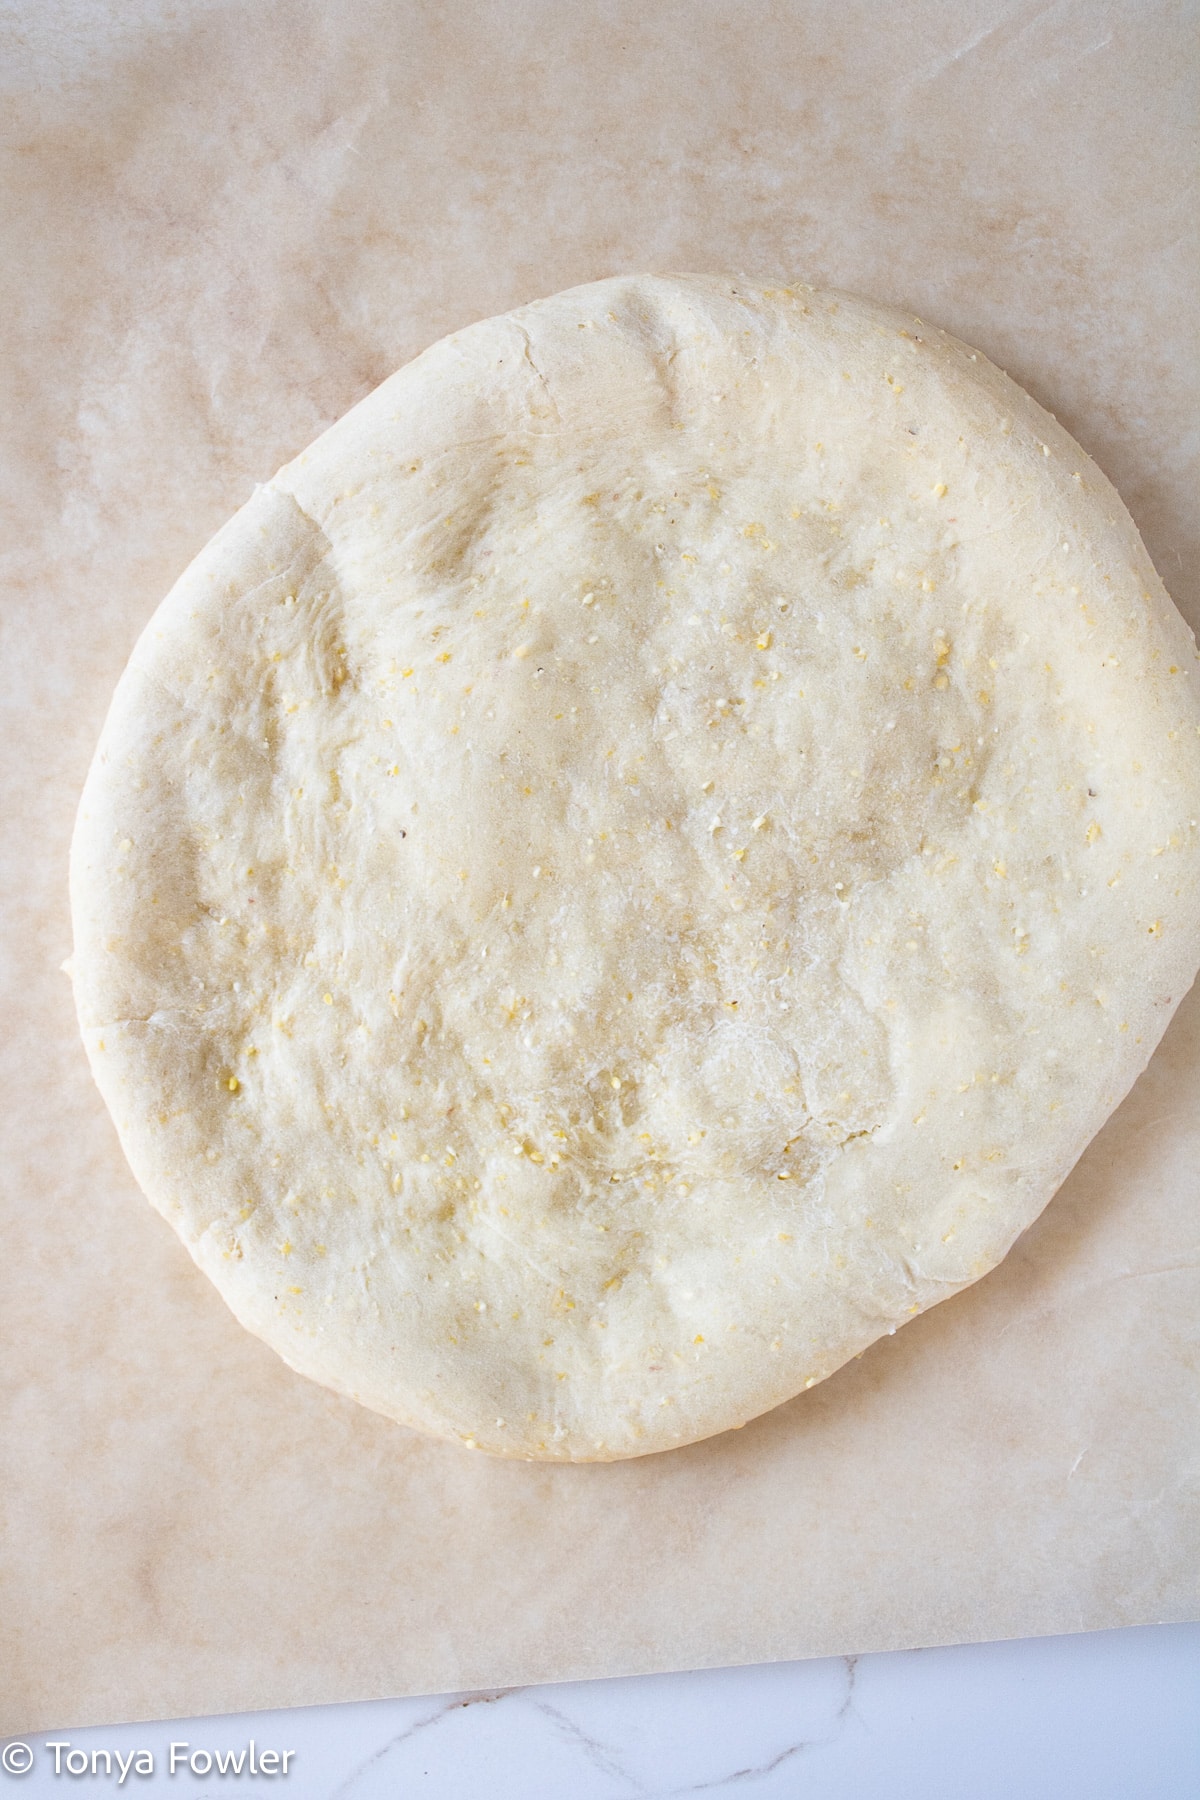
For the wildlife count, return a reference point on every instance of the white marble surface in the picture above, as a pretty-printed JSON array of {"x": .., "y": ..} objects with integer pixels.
[{"x": 1103, "y": 1716}]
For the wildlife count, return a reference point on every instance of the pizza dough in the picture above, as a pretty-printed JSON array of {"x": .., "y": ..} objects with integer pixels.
[{"x": 637, "y": 863}]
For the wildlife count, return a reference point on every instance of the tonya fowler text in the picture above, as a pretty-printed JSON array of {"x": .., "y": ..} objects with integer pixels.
[{"x": 181, "y": 1759}]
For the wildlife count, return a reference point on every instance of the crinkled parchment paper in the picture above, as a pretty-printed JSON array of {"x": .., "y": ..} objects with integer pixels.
[{"x": 222, "y": 224}]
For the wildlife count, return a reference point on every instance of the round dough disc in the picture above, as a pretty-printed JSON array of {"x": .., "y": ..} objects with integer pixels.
[{"x": 638, "y": 862}]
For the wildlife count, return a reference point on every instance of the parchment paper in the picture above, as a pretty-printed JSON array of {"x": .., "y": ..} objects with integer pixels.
[{"x": 223, "y": 224}]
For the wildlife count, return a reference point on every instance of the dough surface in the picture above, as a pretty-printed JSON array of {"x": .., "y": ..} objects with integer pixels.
[{"x": 638, "y": 862}]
